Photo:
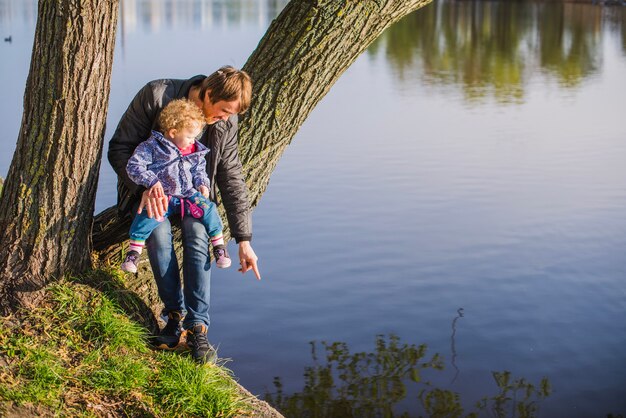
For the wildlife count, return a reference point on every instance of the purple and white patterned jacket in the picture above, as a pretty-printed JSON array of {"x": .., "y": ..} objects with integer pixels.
[{"x": 158, "y": 159}]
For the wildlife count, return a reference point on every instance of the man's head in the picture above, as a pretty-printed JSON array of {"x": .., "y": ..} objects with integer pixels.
[
  {"x": 224, "y": 93},
  {"x": 181, "y": 122}
]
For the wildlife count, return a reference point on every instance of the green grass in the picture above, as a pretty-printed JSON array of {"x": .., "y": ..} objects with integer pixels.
[
  {"x": 206, "y": 391},
  {"x": 78, "y": 354}
]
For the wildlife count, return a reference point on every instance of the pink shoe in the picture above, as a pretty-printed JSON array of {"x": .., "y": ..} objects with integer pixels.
[
  {"x": 222, "y": 259},
  {"x": 130, "y": 263}
]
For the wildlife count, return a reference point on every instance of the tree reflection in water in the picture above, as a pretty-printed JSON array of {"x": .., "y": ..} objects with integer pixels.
[
  {"x": 371, "y": 384},
  {"x": 494, "y": 49}
]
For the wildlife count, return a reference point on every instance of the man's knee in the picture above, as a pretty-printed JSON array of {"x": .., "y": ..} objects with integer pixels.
[
  {"x": 161, "y": 236},
  {"x": 194, "y": 233}
]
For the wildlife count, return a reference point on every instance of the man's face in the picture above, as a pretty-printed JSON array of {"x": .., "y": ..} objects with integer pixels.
[{"x": 214, "y": 112}]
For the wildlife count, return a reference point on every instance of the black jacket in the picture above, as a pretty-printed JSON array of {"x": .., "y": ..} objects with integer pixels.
[{"x": 223, "y": 165}]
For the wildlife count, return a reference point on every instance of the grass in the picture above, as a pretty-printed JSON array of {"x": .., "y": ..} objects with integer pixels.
[{"x": 78, "y": 354}]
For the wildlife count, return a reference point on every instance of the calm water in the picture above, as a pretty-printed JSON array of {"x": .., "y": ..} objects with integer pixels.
[{"x": 470, "y": 199}]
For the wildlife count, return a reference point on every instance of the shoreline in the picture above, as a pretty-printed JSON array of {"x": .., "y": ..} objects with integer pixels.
[
  {"x": 84, "y": 349},
  {"x": 259, "y": 407}
]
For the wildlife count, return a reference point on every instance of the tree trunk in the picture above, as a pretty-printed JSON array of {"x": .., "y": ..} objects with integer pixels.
[
  {"x": 47, "y": 203},
  {"x": 303, "y": 53}
]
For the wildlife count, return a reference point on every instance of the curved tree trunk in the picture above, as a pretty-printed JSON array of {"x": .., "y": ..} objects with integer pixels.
[
  {"x": 303, "y": 53},
  {"x": 47, "y": 202}
]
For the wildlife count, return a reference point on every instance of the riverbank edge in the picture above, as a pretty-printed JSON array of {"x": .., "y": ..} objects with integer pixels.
[{"x": 35, "y": 381}]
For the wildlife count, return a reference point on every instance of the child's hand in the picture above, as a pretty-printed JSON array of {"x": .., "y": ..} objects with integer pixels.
[
  {"x": 156, "y": 190},
  {"x": 204, "y": 190}
]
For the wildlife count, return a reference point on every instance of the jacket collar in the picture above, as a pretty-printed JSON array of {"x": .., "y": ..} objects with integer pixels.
[
  {"x": 187, "y": 84},
  {"x": 160, "y": 138}
]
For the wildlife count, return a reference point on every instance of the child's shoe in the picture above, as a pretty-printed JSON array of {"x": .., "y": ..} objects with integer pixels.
[
  {"x": 130, "y": 263},
  {"x": 222, "y": 259}
]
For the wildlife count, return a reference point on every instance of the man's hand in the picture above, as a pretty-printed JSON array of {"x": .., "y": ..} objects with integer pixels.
[
  {"x": 156, "y": 190},
  {"x": 204, "y": 190},
  {"x": 248, "y": 259},
  {"x": 155, "y": 201}
]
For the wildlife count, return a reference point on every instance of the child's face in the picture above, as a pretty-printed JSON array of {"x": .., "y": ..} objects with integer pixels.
[{"x": 184, "y": 137}]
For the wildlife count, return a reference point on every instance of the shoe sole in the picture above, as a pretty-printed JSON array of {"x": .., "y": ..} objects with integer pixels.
[
  {"x": 167, "y": 347},
  {"x": 223, "y": 266},
  {"x": 181, "y": 344}
]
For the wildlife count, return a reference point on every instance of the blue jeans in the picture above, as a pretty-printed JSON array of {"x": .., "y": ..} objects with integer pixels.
[
  {"x": 206, "y": 212},
  {"x": 193, "y": 298}
]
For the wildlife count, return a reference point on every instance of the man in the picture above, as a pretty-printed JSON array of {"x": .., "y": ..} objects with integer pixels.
[{"x": 221, "y": 97}]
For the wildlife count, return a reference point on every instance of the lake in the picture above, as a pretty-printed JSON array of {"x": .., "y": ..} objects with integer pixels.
[{"x": 461, "y": 188}]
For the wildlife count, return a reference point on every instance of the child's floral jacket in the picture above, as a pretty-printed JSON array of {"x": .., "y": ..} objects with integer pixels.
[{"x": 158, "y": 159}]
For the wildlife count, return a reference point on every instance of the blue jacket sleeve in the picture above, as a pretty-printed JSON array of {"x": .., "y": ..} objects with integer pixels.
[{"x": 137, "y": 167}]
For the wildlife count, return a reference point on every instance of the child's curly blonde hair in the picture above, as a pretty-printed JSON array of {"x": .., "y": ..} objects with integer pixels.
[{"x": 180, "y": 114}]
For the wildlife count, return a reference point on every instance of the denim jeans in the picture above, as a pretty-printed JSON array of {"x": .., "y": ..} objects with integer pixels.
[
  {"x": 193, "y": 297},
  {"x": 206, "y": 212}
]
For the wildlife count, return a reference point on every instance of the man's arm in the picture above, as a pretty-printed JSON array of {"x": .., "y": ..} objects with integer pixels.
[
  {"x": 234, "y": 192},
  {"x": 134, "y": 127}
]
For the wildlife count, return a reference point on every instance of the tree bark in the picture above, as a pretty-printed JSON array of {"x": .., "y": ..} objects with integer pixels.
[
  {"x": 304, "y": 52},
  {"x": 47, "y": 202}
]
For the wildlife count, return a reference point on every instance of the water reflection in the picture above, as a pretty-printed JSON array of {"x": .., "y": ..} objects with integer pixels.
[
  {"x": 492, "y": 49},
  {"x": 372, "y": 384},
  {"x": 154, "y": 15},
  {"x": 453, "y": 342}
]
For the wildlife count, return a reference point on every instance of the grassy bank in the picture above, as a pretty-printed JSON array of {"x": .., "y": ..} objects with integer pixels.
[{"x": 79, "y": 354}]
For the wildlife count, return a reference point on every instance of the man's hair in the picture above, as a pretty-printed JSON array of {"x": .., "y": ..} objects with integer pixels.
[
  {"x": 180, "y": 114},
  {"x": 228, "y": 84}
]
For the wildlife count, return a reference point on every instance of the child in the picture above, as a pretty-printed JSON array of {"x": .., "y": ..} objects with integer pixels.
[{"x": 173, "y": 164}]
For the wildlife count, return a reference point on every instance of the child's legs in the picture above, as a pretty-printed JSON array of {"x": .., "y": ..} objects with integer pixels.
[
  {"x": 210, "y": 219},
  {"x": 143, "y": 225}
]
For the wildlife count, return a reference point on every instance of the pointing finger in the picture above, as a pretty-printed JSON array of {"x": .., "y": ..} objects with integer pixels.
[{"x": 255, "y": 269}]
